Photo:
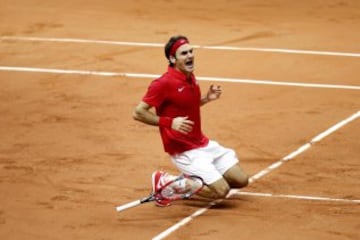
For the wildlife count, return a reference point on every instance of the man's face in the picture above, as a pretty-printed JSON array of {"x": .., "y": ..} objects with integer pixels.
[{"x": 185, "y": 59}]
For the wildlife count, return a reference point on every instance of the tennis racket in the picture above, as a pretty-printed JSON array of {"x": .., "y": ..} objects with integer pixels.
[{"x": 193, "y": 184}]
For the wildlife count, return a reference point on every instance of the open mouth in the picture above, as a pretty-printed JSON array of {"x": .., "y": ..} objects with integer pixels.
[{"x": 189, "y": 63}]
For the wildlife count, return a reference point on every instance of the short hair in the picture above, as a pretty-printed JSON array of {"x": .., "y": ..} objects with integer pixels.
[{"x": 169, "y": 45}]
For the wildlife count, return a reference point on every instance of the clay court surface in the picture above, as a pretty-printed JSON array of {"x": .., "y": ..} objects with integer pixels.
[{"x": 70, "y": 151}]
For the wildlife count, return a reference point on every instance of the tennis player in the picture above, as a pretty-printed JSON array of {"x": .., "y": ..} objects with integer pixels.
[{"x": 177, "y": 99}]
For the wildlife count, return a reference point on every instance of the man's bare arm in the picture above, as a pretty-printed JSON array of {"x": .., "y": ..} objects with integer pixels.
[
  {"x": 144, "y": 114},
  {"x": 212, "y": 94}
]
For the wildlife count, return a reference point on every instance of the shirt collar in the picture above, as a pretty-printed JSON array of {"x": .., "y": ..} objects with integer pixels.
[{"x": 179, "y": 75}]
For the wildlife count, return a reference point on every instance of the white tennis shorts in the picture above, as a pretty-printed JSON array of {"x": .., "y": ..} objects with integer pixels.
[{"x": 209, "y": 162}]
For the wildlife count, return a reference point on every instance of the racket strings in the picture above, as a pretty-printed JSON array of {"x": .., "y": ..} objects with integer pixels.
[{"x": 181, "y": 188}]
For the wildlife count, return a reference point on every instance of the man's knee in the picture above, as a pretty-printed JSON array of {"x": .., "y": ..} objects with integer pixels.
[
  {"x": 222, "y": 192},
  {"x": 220, "y": 188},
  {"x": 236, "y": 177},
  {"x": 242, "y": 182}
]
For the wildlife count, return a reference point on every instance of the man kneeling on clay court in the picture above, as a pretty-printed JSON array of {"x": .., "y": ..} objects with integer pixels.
[{"x": 177, "y": 99}]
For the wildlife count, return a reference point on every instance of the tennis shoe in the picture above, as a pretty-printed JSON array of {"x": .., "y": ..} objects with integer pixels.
[{"x": 158, "y": 181}]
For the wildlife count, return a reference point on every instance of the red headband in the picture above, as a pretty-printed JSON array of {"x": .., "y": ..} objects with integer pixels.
[{"x": 176, "y": 45}]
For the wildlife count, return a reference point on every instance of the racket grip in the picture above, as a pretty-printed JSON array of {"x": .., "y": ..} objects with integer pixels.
[{"x": 128, "y": 205}]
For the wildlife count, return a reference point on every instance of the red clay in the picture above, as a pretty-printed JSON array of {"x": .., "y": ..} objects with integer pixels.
[{"x": 70, "y": 151}]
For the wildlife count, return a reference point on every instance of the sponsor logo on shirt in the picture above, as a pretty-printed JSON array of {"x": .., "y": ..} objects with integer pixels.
[{"x": 180, "y": 89}]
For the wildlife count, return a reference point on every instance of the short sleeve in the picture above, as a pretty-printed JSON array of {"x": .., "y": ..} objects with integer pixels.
[{"x": 155, "y": 94}]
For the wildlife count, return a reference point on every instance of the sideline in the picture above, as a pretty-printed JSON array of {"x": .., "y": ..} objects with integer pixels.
[
  {"x": 143, "y": 44},
  {"x": 257, "y": 176},
  {"x": 153, "y": 76}
]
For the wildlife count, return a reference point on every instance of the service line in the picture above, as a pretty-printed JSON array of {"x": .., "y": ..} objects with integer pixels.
[
  {"x": 153, "y": 76},
  {"x": 144, "y": 44},
  {"x": 260, "y": 174},
  {"x": 299, "y": 197}
]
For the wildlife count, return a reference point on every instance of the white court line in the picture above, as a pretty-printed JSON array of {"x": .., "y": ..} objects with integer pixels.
[
  {"x": 77, "y": 40},
  {"x": 143, "y": 44},
  {"x": 153, "y": 76},
  {"x": 257, "y": 176},
  {"x": 300, "y": 197}
]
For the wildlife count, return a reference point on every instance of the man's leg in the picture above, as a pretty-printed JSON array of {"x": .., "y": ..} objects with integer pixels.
[
  {"x": 216, "y": 190},
  {"x": 236, "y": 177}
]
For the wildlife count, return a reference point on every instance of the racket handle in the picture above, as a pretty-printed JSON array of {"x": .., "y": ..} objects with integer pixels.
[{"x": 128, "y": 205}]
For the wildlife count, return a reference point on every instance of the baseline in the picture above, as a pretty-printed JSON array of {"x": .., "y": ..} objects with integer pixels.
[{"x": 143, "y": 44}]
